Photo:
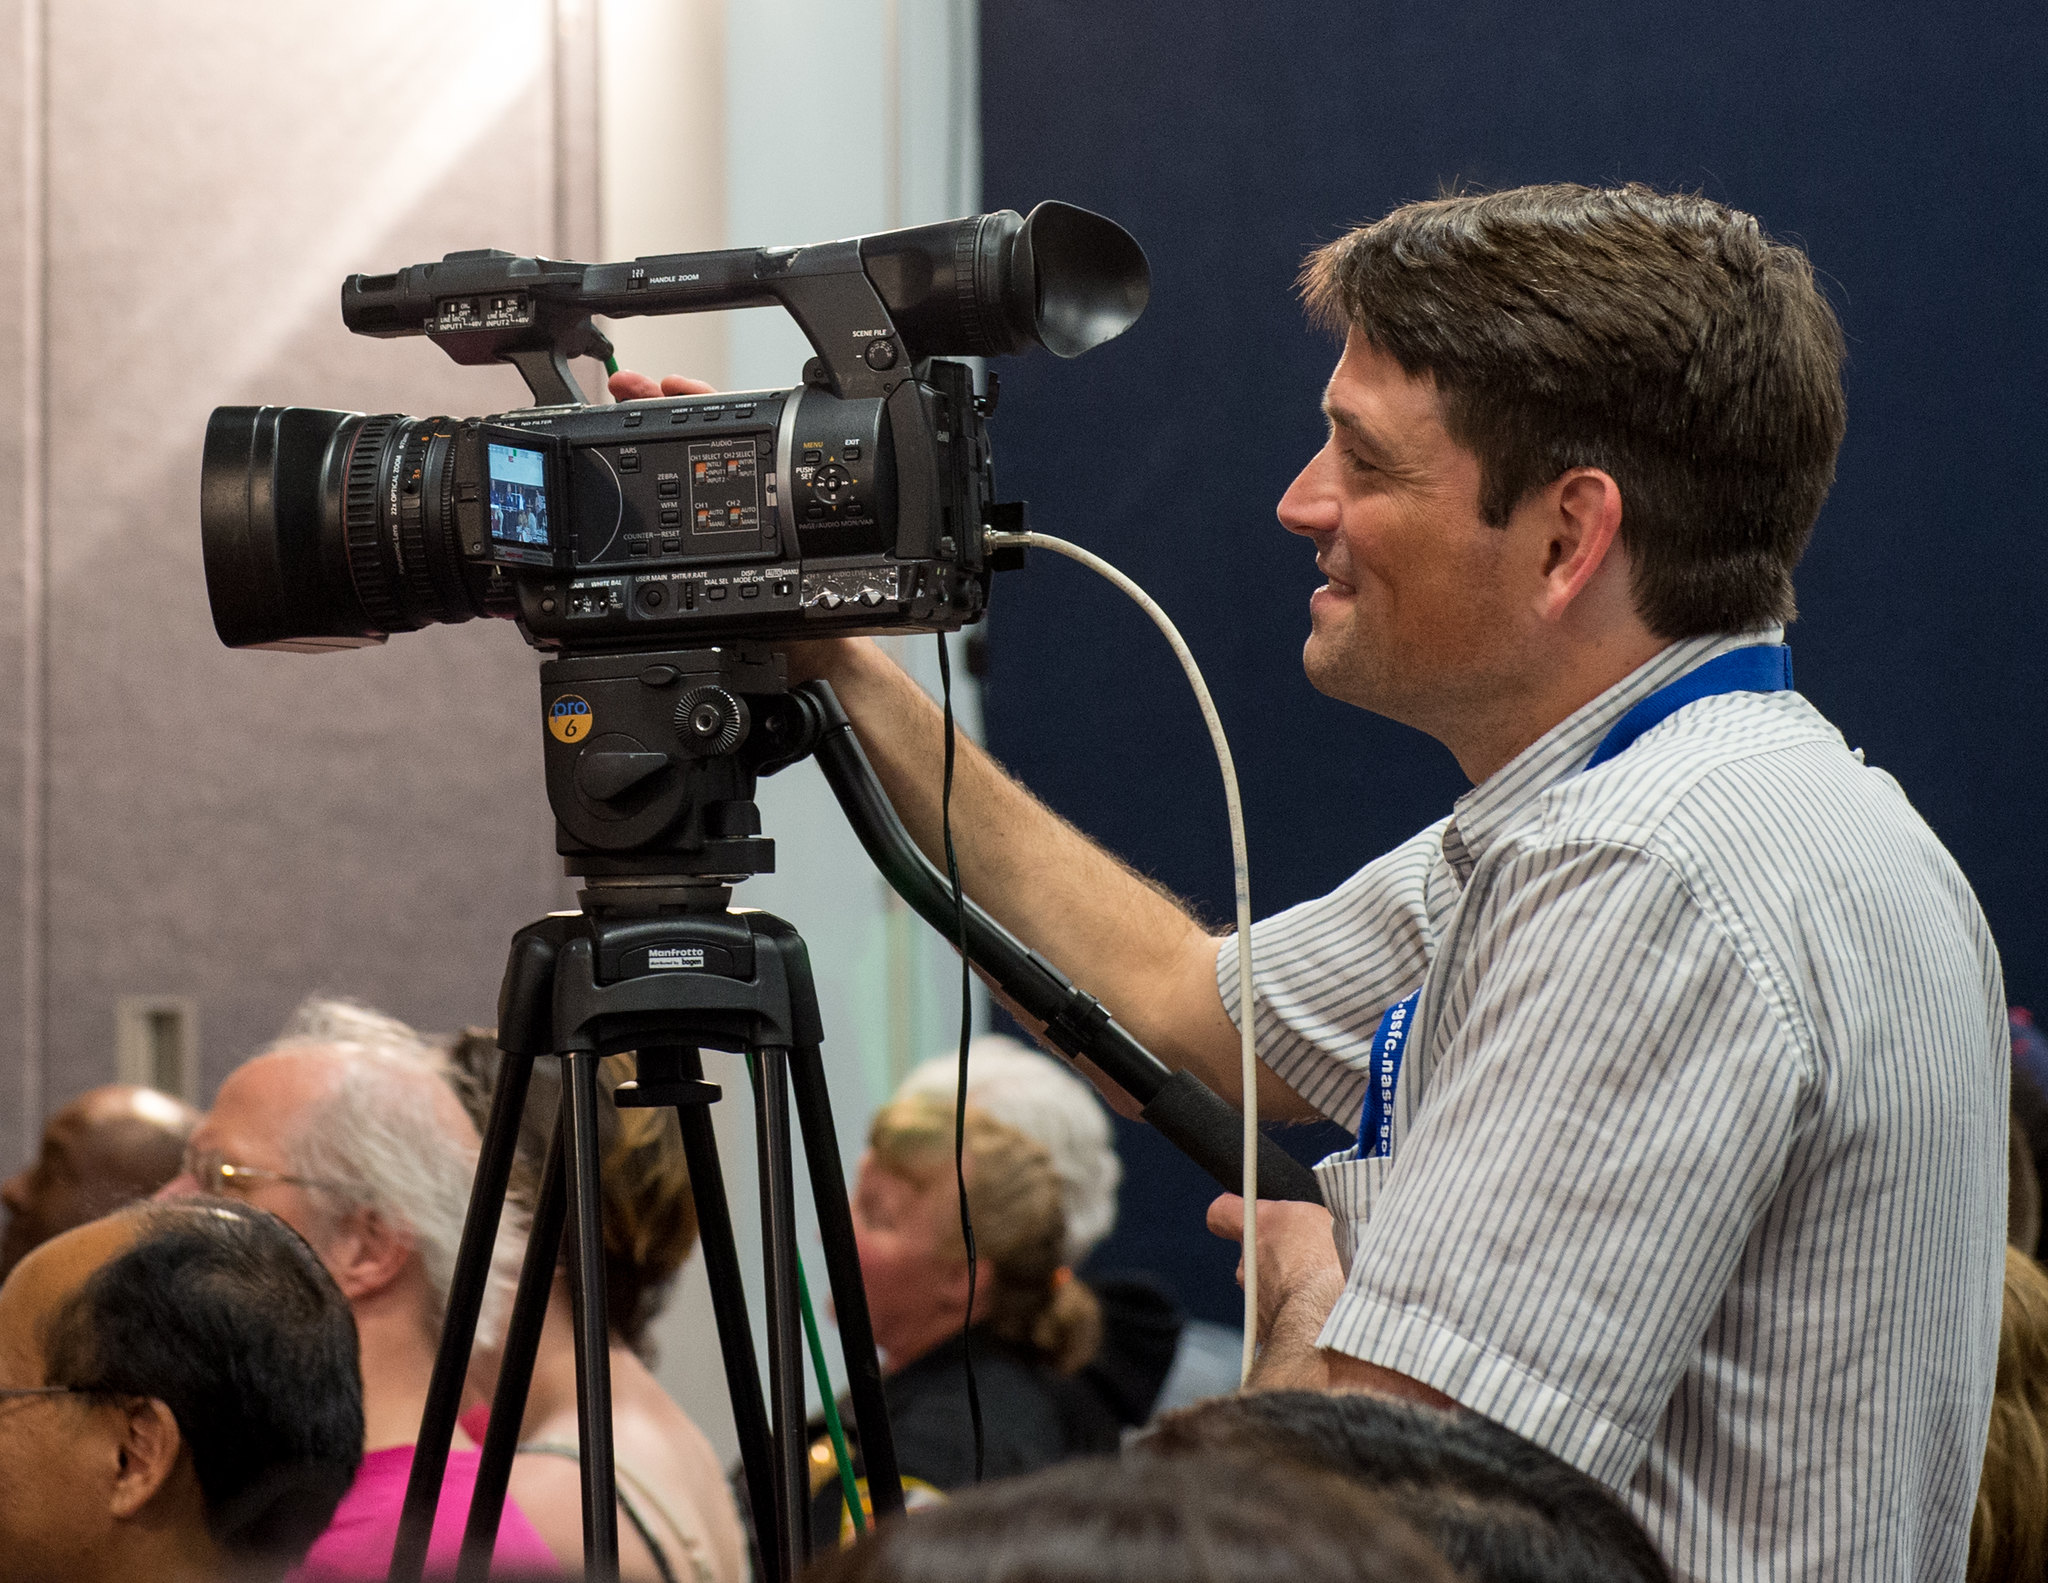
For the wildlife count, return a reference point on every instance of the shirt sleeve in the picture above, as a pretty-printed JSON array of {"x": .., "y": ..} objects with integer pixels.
[
  {"x": 1324, "y": 971},
  {"x": 1605, "y": 1123}
]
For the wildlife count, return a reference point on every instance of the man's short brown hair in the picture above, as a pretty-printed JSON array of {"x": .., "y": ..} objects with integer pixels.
[{"x": 1662, "y": 338}]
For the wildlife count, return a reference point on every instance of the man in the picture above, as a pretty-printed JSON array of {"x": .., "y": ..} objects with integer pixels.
[
  {"x": 1693, "y": 1170},
  {"x": 109, "y": 1147},
  {"x": 347, "y": 1130},
  {"x": 178, "y": 1400}
]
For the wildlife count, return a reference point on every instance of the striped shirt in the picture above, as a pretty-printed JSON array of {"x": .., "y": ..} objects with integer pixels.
[{"x": 1697, "y": 1165}]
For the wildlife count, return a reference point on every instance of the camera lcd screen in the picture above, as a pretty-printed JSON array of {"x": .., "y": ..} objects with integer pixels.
[{"x": 520, "y": 526}]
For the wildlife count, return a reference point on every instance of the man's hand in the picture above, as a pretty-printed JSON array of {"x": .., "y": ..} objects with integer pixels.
[
  {"x": 1300, "y": 1280},
  {"x": 1299, "y": 1275},
  {"x": 626, "y": 385}
]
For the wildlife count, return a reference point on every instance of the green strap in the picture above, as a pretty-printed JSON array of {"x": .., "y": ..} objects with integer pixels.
[
  {"x": 833, "y": 1427},
  {"x": 611, "y": 363},
  {"x": 841, "y": 1453}
]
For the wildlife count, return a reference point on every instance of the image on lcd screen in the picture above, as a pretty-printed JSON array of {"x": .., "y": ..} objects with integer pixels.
[{"x": 519, "y": 496}]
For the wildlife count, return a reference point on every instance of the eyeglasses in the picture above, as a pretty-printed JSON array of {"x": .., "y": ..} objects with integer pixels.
[
  {"x": 13, "y": 1392},
  {"x": 215, "y": 1173}
]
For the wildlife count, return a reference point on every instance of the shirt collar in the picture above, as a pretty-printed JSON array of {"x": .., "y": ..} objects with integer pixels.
[{"x": 1489, "y": 808}]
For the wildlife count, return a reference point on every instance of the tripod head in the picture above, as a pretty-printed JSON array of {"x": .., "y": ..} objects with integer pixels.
[{"x": 652, "y": 760}]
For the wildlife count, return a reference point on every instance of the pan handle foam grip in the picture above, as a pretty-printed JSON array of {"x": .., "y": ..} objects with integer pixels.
[{"x": 1201, "y": 1124}]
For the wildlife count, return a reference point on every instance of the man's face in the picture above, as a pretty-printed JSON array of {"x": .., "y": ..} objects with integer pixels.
[
  {"x": 1419, "y": 617},
  {"x": 53, "y": 1192},
  {"x": 105, "y": 1149},
  {"x": 58, "y": 1454},
  {"x": 258, "y": 1109}
]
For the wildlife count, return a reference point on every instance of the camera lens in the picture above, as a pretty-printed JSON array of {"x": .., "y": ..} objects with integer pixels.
[{"x": 327, "y": 530}]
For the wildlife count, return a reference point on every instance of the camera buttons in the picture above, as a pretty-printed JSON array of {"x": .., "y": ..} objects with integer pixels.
[{"x": 880, "y": 354}]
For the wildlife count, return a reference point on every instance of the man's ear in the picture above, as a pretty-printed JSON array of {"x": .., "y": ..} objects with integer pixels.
[
  {"x": 1578, "y": 519},
  {"x": 146, "y": 1454},
  {"x": 366, "y": 1254}
]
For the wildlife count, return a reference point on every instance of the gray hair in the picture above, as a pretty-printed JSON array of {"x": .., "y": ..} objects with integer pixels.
[
  {"x": 1010, "y": 1082},
  {"x": 389, "y": 1136}
]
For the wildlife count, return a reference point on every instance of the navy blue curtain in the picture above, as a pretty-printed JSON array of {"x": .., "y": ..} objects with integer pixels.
[{"x": 1905, "y": 146}]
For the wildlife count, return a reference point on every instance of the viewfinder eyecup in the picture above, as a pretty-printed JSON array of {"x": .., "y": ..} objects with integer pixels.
[{"x": 993, "y": 284}]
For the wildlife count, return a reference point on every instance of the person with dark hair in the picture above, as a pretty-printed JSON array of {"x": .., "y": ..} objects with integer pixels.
[
  {"x": 111, "y": 1146},
  {"x": 1677, "y": 1053},
  {"x": 1219, "y": 1519},
  {"x": 1499, "y": 1508},
  {"x": 179, "y": 1400},
  {"x": 678, "y": 1521}
]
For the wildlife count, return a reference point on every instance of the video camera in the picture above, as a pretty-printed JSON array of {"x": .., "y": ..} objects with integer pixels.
[{"x": 854, "y": 502}]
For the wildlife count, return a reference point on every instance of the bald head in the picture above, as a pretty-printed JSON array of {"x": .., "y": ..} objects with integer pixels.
[
  {"x": 349, "y": 1130},
  {"x": 108, "y": 1147}
]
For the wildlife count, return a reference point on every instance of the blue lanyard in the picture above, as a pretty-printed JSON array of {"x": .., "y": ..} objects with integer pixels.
[
  {"x": 1760, "y": 668},
  {"x": 1376, "y": 1119}
]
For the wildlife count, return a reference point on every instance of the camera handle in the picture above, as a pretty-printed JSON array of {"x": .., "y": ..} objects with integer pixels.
[{"x": 1183, "y": 1109}]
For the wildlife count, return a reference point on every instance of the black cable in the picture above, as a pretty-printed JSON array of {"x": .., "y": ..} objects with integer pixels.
[{"x": 966, "y": 1033}]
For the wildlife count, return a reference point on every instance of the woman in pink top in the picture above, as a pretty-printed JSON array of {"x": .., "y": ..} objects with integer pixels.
[{"x": 358, "y": 1543}]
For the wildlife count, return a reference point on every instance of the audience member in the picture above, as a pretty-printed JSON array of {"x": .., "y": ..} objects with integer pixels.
[
  {"x": 1499, "y": 1508},
  {"x": 1034, "y": 1325},
  {"x": 109, "y": 1147},
  {"x": 180, "y": 1400},
  {"x": 347, "y": 1130},
  {"x": 678, "y": 1519},
  {"x": 1045, "y": 1100},
  {"x": 2009, "y": 1528},
  {"x": 2030, "y": 1122},
  {"x": 1217, "y": 1519}
]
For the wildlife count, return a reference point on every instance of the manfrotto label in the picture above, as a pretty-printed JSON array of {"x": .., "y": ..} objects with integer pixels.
[{"x": 674, "y": 958}]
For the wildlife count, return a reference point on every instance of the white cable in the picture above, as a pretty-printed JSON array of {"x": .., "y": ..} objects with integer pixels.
[{"x": 1241, "y": 872}]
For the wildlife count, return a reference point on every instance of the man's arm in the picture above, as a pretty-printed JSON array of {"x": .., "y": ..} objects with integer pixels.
[{"x": 1115, "y": 934}]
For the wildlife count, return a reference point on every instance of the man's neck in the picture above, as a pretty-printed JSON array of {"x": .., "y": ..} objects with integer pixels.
[
  {"x": 397, "y": 1361},
  {"x": 1499, "y": 730}
]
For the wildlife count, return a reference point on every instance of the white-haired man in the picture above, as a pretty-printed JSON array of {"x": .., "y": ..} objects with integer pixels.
[{"x": 346, "y": 1129}]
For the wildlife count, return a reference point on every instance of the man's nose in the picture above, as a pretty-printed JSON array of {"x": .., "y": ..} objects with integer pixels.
[
  {"x": 1308, "y": 507},
  {"x": 183, "y": 1185}
]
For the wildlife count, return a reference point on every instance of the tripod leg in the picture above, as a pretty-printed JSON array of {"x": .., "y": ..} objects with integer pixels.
[
  {"x": 515, "y": 1375},
  {"x": 729, "y": 1304},
  {"x": 593, "y": 1338},
  {"x": 466, "y": 1288},
  {"x": 842, "y": 1265},
  {"x": 785, "y": 1337}
]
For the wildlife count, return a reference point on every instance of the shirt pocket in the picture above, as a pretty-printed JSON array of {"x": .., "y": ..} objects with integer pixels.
[{"x": 1350, "y": 1188}]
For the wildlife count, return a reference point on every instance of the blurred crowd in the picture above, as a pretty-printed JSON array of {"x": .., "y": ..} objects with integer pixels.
[{"x": 216, "y": 1335}]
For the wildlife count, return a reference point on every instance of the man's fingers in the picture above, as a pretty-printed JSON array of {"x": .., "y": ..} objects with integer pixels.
[
  {"x": 678, "y": 385},
  {"x": 626, "y": 385},
  {"x": 1226, "y": 1217}
]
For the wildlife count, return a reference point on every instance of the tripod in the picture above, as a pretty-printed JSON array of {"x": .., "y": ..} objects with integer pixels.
[{"x": 656, "y": 963}]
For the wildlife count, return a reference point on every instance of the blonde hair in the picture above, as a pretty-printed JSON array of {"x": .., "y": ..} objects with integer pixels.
[
  {"x": 1015, "y": 1197},
  {"x": 1027, "y": 1089},
  {"x": 2009, "y": 1529},
  {"x": 650, "y": 1213}
]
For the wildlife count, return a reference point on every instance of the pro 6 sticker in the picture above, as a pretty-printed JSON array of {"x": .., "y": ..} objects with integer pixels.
[{"x": 569, "y": 718}]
